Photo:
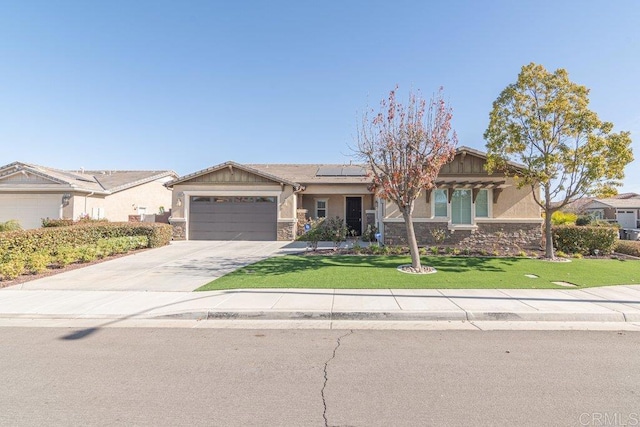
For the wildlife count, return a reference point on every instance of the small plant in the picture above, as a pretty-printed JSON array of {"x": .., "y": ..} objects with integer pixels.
[
  {"x": 466, "y": 251},
  {"x": 423, "y": 251},
  {"x": 561, "y": 254},
  {"x": 448, "y": 250},
  {"x": 369, "y": 234},
  {"x": 522, "y": 253},
  {"x": 456, "y": 251},
  {"x": 357, "y": 249},
  {"x": 11, "y": 225},
  {"x": 438, "y": 235},
  {"x": 495, "y": 252},
  {"x": 577, "y": 255},
  {"x": 434, "y": 250}
]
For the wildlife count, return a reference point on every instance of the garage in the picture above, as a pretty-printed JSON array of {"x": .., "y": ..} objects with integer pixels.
[
  {"x": 29, "y": 209},
  {"x": 233, "y": 218}
]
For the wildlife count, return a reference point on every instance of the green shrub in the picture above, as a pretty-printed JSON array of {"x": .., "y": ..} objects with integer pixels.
[
  {"x": 583, "y": 220},
  {"x": 11, "y": 225},
  {"x": 369, "y": 234},
  {"x": 49, "y": 239},
  {"x": 11, "y": 266},
  {"x": 628, "y": 247},
  {"x": 87, "y": 253},
  {"x": 65, "y": 255},
  {"x": 563, "y": 218},
  {"x": 48, "y": 222},
  {"x": 584, "y": 240},
  {"x": 37, "y": 262}
]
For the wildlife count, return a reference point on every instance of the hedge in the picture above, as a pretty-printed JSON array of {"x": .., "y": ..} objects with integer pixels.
[
  {"x": 584, "y": 240},
  {"x": 628, "y": 247},
  {"x": 49, "y": 239}
]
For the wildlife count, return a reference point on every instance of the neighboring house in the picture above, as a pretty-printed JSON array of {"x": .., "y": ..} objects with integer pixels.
[
  {"x": 578, "y": 206},
  {"x": 29, "y": 193},
  {"x": 232, "y": 201},
  {"x": 624, "y": 211}
]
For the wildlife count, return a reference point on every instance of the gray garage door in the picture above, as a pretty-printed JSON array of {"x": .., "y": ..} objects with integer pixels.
[{"x": 233, "y": 218}]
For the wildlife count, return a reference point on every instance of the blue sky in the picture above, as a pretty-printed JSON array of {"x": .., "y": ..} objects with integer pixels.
[{"x": 186, "y": 85}]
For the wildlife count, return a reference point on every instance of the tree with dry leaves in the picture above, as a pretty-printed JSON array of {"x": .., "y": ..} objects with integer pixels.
[{"x": 405, "y": 146}]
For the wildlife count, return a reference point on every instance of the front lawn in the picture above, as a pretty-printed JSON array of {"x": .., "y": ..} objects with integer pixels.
[{"x": 369, "y": 272}]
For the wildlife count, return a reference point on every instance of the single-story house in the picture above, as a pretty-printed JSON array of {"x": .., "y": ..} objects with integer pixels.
[
  {"x": 233, "y": 201},
  {"x": 578, "y": 206},
  {"x": 29, "y": 193},
  {"x": 624, "y": 211}
]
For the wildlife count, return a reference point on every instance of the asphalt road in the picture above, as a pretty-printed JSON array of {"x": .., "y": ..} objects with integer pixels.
[{"x": 128, "y": 376}]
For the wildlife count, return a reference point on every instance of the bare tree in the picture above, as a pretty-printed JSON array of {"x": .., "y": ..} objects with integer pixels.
[{"x": 405, "y": 147}]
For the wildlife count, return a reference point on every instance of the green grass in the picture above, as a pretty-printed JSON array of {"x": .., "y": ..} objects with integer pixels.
[{"x": 362, "y": 272}]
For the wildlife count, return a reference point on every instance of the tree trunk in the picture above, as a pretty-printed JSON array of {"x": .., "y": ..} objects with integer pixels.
[
  {"x": 411, "y": 241},
  {"x": 548, "y": 250}
]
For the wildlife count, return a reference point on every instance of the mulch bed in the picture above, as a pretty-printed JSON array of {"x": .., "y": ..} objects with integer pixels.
[{"x": 52, "y": 271}]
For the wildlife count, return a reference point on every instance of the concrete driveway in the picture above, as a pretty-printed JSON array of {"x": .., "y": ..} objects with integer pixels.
[{"x": 179, "y": 267}]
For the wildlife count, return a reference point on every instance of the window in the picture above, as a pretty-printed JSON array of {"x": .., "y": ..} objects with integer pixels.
[
  {"x": 199, "y": 199},
  {"x": 265, "y": 199},
  {"x": 321, "y": 208},
  {"x": 482, "y": 204},
  {"x": 440, "y": 203},
  {"x": 461, "y": 207}
]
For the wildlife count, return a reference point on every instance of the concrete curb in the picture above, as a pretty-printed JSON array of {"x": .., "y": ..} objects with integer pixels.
[{"x": 399, "y": 316}]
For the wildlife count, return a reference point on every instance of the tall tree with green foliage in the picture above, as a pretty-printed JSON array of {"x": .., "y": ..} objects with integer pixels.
[
  {"x": 543, "y": 122},
  {"x": 405, "y": 147}
]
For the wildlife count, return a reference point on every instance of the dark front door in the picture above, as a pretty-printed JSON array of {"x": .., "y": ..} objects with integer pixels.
[{"x": 354, "y": 214}]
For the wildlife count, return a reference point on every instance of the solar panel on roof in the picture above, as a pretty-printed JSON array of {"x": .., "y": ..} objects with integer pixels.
[
  {"x": 353, "y": 171},
  {"x": 329, "y": 171}
]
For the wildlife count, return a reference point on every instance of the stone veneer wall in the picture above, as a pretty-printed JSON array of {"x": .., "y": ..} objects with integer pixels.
[
  {"x": 179, "y": 229},
  {"x": 286, "y": 230},
  {"x": 509, "y": 237},
  {"x": 370, "y": 219},
  {"x": 301, "y": 214}
]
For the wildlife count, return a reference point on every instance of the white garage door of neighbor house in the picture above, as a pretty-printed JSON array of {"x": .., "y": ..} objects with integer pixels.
[
  {"x": 627, "y": 219},
  {"x": 29, "y": 209}
]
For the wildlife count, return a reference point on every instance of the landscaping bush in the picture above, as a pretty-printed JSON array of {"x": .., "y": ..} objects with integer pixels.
[
  {"x": 11, "y": 225},
  {"x": 47, "y": 222},
  {"x": 627, "y": 247},
  {"x": 11, "y": 266},
  {"x": 50, "y": 239},
  {"x": 583, "y": 220},
  {"x": 37, "y": 262},
  {"x": 584, "y": 240},
  {"x": 563, "y": 218},
  {"x": 325, "y": 229}
]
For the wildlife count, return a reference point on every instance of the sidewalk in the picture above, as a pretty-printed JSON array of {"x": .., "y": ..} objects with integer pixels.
[{"x": 604, "y": 304}]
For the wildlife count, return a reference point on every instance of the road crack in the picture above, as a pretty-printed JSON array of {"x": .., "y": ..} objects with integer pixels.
[{"x": 326, "y": 376}]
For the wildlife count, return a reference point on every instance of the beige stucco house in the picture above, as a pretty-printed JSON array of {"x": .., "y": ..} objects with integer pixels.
[
  {"x": 623, "y": 210},
  {"x": 233, "y": 201},
  {"x": 29, "y": 193}
]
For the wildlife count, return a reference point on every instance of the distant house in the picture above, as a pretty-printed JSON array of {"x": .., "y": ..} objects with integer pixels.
[
  {"x": 625, "y": 211},
  {"x": 469, "y": 207},
  {"x": 29, "y": 193},
  {"x": 578, "y": 206}
]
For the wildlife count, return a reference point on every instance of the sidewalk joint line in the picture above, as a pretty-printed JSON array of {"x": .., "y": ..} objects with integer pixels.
[{"x": 466, "y": 314}]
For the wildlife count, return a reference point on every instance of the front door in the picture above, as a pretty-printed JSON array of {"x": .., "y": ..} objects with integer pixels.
[{"x": 354, "y": 214}]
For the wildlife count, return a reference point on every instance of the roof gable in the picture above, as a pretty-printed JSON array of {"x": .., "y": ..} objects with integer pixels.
[
  {"x": 231, "y": 172},
  {"x": 23, "y": 175}
]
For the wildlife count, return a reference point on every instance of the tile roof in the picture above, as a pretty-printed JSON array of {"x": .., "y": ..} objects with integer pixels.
[{"x": 106, "y": 182}]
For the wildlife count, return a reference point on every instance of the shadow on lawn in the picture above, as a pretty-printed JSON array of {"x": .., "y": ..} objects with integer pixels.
[{"x": 293, "y": 264}]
